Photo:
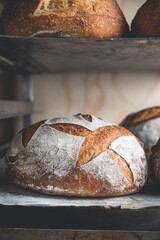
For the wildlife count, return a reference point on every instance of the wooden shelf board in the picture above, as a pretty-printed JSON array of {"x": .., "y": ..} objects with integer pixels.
[
  {"x": 34, "y": 234},
  {"x": 52, "y": 55},
  {"x": 9, "y": 109},
  {"x": 139, "y": 212}
]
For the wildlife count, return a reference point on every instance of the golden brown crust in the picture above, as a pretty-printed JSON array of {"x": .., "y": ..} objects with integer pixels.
[
  {"x": 98, "y": 141},
  {"x": 141, "y": 117},
  {"x": 155, "y": 163},
  {"x": 146, "y": 23},
  {"x": 72, "y": 129},
  {"x": 87, "y": 117},
  {"x": 69, "y": 183},
  {"x": 75, "y": 18},
  {"x": 90, "y": 186},
  {"x": 28, "y": 132},
  {"x": 50, "y": 165}
]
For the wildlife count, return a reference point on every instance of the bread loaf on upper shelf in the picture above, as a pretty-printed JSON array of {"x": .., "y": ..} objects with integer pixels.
[
  {"x": 146, "y": 22},
  {"x": 145, "y": 125},
  {"x": 64, "y": 18},
  {"x": 77, "y": 155},
  {"x": 155, "y": 163}
]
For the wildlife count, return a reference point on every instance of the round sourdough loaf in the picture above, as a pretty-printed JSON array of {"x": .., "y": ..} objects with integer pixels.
[
  {"x": 77, "y": 155},
  {"x": 64, "y": 18},
  {"x": 155, "y": 163},
  {"x": 145, "y": 125},
  {"x": 146, "y": 23}
]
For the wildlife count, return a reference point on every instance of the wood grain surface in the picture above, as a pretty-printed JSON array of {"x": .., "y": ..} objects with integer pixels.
[
  {"x": 110, "y": 96},
  {"x": 32, "y": 234}
]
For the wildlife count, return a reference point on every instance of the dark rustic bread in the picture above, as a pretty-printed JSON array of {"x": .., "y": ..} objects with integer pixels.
[
  {"x": 155, "y": 163},
  {"x": 77, "y": 155},
  {"x": 146, "y": 23},
  {"x": 64, "y": 18},
  {"x": 145, "y": 125}
]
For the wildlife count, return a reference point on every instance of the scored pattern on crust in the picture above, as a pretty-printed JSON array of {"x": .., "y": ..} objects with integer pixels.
[
  {"x": 28, "y": 132},
  {"x": 80, "y": 120},
  {"x": 58, "y": 149},
  {"x": 122, "y": 164},
  {"x": 97, "y": 142},
  {"x": 130, "y": 149},
  {"x": 72, "y": 129},
  {"x": 141, "y": 117},
  {"x": 73, "y": 7}
]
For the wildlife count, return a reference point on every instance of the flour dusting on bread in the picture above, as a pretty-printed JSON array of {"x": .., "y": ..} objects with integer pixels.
[
  {"x": 80, "y": 120},
  {"x": 104, "y": 168},
  {"x": 47, "y": 159},
  {"x": 130, "y": 149},
  {"x": 148, "y": 132}
]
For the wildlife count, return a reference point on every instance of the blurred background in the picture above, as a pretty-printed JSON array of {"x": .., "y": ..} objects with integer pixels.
[{"x": 110, "y": 96}]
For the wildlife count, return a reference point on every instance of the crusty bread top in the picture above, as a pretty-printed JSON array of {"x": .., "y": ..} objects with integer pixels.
[
  {"x": 39, "y": 17},
  {"x": 65, "y": 7},
  {"x": 77, "y": 155},
  {"x": 77, "y": 7},
  {"x": 147, "y": 19},
  {"x": 141, "y": 117}
]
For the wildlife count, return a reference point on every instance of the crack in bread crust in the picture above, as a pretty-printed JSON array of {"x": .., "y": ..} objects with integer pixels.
[
  {"x": 98, "y": 141},
  {"x": 122, "y": 164},
  {"x": 28, "y": 132},
  {"x": 87, "y": 117},
  {"x": 72, "y": 129}
]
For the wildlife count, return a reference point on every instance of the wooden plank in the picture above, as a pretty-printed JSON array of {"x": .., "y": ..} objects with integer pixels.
[
  {"x": 93, "y": 218},
  {"x": 46, "y": 55},
  {"x": 33, "y": 234},
  {"x": 9, "y": 109}
]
